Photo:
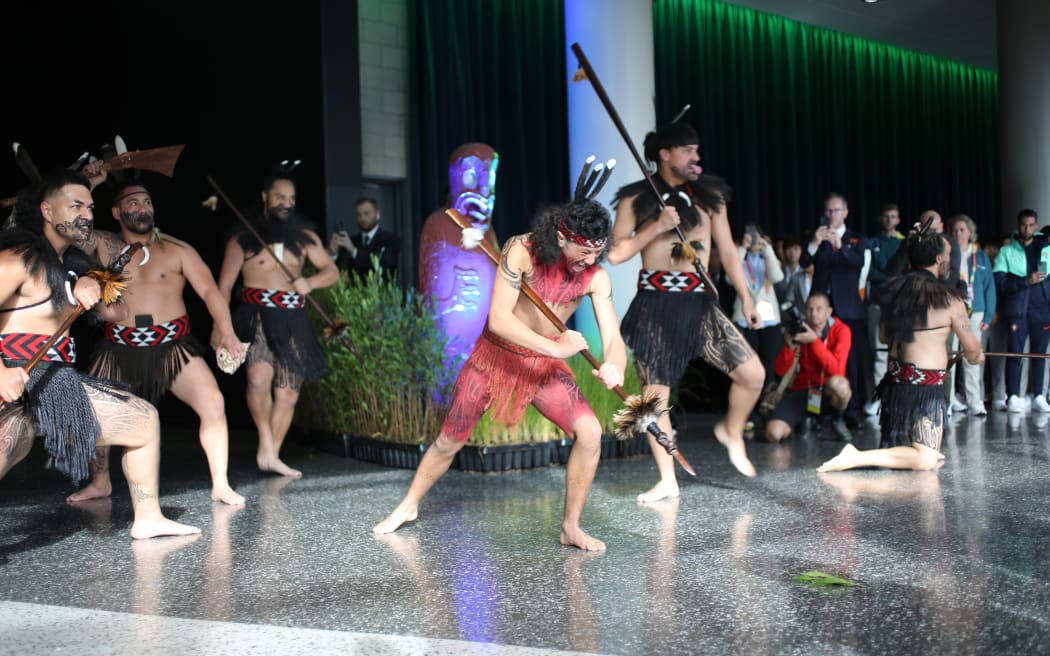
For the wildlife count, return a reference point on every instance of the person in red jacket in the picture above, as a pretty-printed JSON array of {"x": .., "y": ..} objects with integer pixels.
[{"x": 822, "y": 347}]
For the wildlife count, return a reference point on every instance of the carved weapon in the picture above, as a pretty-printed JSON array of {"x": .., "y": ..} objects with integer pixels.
[
  {"x": 159, "y": 160},
  {"x": 640, "y": 413},
  {"x": 684, "y": 250},
  {"x": 334, "y": 330}
]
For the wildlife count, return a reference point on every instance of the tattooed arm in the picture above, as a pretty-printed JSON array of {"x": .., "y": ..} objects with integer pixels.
[
  {"x": 102, "y": 245},
  {"x": 970, "y": 343},
  {"x": 515, "y": 267}
]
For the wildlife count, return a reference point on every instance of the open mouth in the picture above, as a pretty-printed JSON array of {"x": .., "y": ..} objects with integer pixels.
[
  {"x": 83, "y": 227},
  {"x": 476, "y": 206}
]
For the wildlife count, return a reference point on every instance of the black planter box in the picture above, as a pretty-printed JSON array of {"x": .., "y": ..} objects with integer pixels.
[{"x": 503, "y": 457}]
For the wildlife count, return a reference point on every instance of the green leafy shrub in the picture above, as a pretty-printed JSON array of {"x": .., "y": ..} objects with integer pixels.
[
  {"x": 392, "y": 384},
  {"x": 395, "y": 383}
]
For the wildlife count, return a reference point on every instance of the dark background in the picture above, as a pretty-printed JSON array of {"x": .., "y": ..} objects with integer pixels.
[{"x": 241, "y": 88}]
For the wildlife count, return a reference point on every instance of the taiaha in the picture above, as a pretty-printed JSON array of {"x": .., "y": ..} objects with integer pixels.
[
  {"x": 333, "y": 330},
  {"x": 640, "y": 412},
  {"x": 683, "y": 250}
]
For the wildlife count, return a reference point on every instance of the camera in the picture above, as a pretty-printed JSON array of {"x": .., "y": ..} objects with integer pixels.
[
  {"x": 752, "y": 232},
  {"x": 792, "y": 320}
]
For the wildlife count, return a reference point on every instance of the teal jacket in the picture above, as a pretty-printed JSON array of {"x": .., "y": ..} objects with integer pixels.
[{"x": 1011, "y": 277}]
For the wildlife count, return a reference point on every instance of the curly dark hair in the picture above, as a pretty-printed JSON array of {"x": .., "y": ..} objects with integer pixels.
[
  {"x": 923, "y": 249},
  {"x": 589, "y": 219}
]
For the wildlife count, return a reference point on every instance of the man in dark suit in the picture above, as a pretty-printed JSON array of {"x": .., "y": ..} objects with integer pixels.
[
  {"x": 841, "y": 259},
  {"x": 355, "y": 253}
]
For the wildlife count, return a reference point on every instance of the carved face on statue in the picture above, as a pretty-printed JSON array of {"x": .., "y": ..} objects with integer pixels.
[{"x": 472, "y": 182}]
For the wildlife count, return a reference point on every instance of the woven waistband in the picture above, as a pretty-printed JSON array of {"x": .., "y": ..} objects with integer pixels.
[
  {"x": 163, "y": 333},
  {"x": 23, "y": 346},
  {"x": 670, "y": 281},
  {"x": 273, "y": 298},
  {"x": 908, "y": 374}
]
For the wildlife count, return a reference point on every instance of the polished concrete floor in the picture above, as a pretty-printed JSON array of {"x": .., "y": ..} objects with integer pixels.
[{"x": 950, "y": 562}]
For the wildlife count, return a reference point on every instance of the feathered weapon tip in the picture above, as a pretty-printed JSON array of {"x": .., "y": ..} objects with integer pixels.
[{"x": 637, "y": 413}]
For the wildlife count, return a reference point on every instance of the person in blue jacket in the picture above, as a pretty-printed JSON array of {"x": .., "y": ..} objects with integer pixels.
[{"x": 1024, "y": 303}]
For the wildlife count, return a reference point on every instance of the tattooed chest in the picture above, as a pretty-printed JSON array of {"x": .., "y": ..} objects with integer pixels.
[{"x": 558, "y": 288}]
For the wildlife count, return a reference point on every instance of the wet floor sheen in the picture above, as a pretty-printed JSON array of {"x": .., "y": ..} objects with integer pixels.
[{"x": 948, "y": 562}]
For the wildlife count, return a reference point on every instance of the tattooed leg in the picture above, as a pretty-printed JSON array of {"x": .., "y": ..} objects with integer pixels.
[
  {"x": 726, "y": 349},
  {"x": 16, "y": 440},
  {"x": 133, "y": 423},
  {"x": 100, "y": 485}
]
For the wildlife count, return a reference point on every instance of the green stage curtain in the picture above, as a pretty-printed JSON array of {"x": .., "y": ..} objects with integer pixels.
[
  {"x": 788, "y": 112},
  {"x": 490, "y": 71}
]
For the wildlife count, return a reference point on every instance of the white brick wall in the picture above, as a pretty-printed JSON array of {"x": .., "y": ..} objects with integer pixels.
[{"x": 383, "y": 26}]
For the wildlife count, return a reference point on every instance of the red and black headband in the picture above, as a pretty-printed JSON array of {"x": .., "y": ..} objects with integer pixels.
[{"x": 580, "y": 239}]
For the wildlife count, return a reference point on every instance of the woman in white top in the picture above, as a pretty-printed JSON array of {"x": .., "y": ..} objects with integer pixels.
[{"x": 762, "y": 270}]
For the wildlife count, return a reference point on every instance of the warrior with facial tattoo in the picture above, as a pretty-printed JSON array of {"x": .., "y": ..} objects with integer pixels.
[
  {"x": 155, "y": 353},
  {"x": 74, "y": 412}
]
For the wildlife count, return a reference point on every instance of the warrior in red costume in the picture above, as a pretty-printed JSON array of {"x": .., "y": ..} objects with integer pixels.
[{"x": 519, "y": 359}]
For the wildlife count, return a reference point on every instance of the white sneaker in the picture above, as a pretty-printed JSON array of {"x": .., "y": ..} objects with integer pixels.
[
  {"x": 872, "y": 408},
  {"x": 1016, "y": 405},
  {"x": 958, "y": 406},
  {"x": 977, "y": 409},
  {"x": 999, "y": 405},
  {"x": 1040, "y": 404}
]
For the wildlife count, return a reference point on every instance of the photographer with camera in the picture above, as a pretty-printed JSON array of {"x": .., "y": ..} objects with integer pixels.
[{"x": 818, "y": 344}]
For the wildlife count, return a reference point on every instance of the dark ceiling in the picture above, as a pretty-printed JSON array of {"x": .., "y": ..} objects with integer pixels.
[{"x": 960, "y": 30}]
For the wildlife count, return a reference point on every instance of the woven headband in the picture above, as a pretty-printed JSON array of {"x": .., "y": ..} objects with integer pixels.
[{"x": 580, "y": 239}]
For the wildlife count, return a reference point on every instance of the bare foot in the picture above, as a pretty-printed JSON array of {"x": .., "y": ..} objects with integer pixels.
[
  {"x": 226, "y": 495},
  {"x": 395, "y": 520},
  {"x": 158, "y": 549},
  {"x": 575, "y": 537},
  {"x": 275, "y": 466},
  {"x": 97, "y": 489},
  {"x": 846, "y": 459},
  {"x": 737, "y": 450},
  {"x": 662, "y": 490},
  {"x": 142, "y": 529}
]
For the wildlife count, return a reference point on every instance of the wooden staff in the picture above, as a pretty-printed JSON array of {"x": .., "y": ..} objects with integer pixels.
[
  {"x": 640, "y": 411},
  {"x": 334, "y": 329},
  {"x": 686, "y": 249}
]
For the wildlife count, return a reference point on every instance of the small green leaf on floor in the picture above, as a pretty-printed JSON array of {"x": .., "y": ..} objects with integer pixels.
[{"x": 816, "y": 577}]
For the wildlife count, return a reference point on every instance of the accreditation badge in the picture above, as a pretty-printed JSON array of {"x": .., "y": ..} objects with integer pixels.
[
  {"x": 765, "y": 311},
  {"x": 814, "y": 399}
]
